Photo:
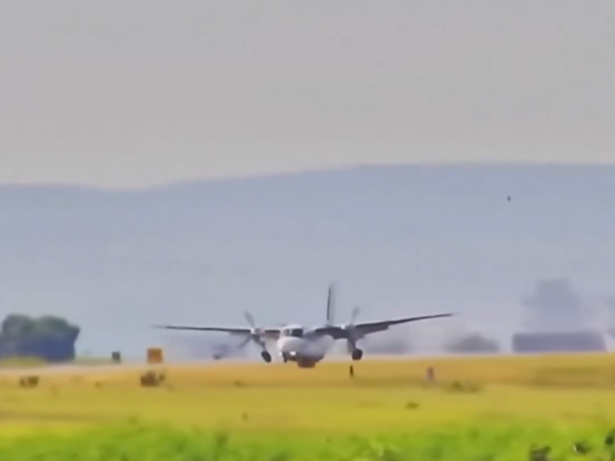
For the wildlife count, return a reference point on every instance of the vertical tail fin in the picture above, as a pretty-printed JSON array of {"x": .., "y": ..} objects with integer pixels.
[{"x": 330, "y": 306}]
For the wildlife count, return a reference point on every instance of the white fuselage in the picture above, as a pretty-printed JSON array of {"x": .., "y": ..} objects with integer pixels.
[{"x": 306, "y": 352}]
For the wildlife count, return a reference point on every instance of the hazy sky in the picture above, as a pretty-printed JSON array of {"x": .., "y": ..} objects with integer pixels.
[
  {"x": 130, "y": 93},
  {"x": 396, "y": 241}
]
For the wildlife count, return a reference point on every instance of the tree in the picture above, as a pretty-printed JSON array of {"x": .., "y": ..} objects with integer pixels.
[
  {"x": 556, "y": 305},
  {"x": 473, "y": 343},
  {"x": 48, "y": 338}
]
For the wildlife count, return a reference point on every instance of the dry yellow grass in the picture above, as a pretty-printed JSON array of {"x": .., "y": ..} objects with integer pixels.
[
  {"x": 584, "y": 370},
  {"x": 383, "y": 396}
]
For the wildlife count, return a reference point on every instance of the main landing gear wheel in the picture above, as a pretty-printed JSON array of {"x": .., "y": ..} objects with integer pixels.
[
  {"x": 266, "y": 356},
  {"x": 357, "y": 354}
]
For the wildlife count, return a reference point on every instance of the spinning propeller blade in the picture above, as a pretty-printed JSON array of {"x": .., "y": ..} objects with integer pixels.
[
  {"x": 349, "y": 327},
  {"x": 250, "y": 319},
  {"x": 355, "y": 313},
  {"x": 244, "y": 343},
  {"x": 330, "y": 306}
]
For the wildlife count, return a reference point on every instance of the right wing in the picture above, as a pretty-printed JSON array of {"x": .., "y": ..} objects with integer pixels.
[
  {"x": 366, "y": 328},
  {"x": 382, "y": 325},
  {"x": 267, "y": 332}
]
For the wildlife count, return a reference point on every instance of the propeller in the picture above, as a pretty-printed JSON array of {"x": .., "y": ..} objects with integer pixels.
[
  {"x": 351, "y": 336},
  {"x": 355, "y": 313},
  {"x": 255, "y": 335},
  {"x": 330, "y": 312}
]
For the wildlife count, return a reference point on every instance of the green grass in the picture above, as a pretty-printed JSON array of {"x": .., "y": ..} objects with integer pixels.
[
  {"x": 501, "y": 439},
  {"x": 354, "y": 409},
  {"x": 284, "y": 413},
  {"x": 303, "y": 423}
]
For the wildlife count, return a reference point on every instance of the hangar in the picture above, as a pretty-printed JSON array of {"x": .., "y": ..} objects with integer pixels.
[{"x": 561, "y": 341}]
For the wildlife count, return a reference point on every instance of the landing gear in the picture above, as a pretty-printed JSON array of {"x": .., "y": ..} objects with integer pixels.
[
  {"x": 266, "y": 356},
  {"x": 357, "y": 354},
  {"x": 284, "y": 357}
]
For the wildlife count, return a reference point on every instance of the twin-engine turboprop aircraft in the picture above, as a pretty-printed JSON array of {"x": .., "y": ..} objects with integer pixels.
[{"x": 307, "y": 346}]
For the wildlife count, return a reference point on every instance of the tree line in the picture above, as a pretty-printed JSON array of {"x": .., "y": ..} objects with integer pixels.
[{"x": 48, "y": 338}]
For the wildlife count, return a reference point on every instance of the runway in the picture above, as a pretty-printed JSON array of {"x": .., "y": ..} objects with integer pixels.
[{"x": 138, "y": 365}]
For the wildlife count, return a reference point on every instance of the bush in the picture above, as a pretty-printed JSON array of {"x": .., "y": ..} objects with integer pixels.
[
  {"x": 152, "y": 379},
  {"x": 473, "y": 344},
  {"x": 464, "y": 387},
  {"x": 29, "y": 382}
]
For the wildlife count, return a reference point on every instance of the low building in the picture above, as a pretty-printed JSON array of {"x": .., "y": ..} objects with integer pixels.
[{"x": 562, "y": 341}]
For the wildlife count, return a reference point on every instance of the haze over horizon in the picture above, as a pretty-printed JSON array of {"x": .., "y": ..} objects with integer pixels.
[{"x": 397, "y": 240}]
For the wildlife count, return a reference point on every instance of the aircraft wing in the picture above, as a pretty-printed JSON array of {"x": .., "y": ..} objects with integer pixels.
[
  {"x": 365, "y": 328},
  {"x": 267, "y": 332},
  {"x": 382, "y": 325}
]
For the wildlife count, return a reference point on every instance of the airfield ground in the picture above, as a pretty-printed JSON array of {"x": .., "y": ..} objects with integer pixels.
[{"x": 483, "y": 408}]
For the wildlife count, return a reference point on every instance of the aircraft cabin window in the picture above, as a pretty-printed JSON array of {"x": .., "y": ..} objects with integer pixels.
[{"x": 295, "y": 332}]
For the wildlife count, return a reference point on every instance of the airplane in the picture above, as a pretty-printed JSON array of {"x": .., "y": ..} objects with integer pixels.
[{"x": 307, "y": 346}]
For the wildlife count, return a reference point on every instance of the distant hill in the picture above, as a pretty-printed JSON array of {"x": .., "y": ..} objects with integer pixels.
[{"x": 396, "y": 239}]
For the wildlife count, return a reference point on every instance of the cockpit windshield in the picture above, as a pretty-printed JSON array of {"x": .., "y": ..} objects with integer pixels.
[{"x": 295, "y": 332}]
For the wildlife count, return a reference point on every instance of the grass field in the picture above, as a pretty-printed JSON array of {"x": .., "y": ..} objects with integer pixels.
[{"x": 478, "y": 408}]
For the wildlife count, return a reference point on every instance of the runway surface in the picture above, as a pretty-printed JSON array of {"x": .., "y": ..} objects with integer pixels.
[{"x": 140, "y": 365}]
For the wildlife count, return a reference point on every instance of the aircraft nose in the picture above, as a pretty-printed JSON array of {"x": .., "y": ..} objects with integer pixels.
[{"x": 286, "y": 345}]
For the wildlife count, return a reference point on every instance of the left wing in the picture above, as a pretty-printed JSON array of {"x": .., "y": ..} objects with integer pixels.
[
  {"x": 366, "y": 328},
  {"x": 272, "y": 333}
]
